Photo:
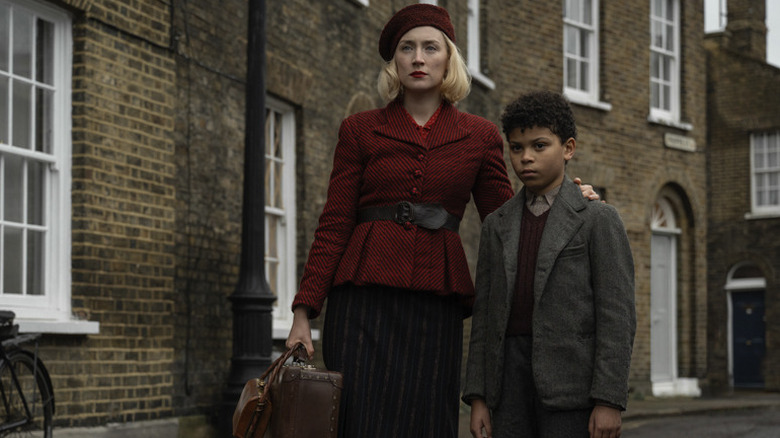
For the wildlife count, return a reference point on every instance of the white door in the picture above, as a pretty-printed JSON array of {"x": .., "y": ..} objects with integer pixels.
[{"x": 663, "y": 343}]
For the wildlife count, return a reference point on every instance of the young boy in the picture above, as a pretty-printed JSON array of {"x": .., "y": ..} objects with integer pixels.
[{"x": 554, "y": 317}]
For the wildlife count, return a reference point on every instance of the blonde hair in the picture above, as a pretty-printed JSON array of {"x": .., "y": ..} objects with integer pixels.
[{"x": 455, "y": 86}]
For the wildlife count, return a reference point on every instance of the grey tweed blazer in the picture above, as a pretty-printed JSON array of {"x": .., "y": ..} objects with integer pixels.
[{"x": 584, "y": 314}]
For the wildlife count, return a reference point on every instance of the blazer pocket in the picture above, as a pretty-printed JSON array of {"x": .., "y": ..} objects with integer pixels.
[{"x": 572, "y": 251}]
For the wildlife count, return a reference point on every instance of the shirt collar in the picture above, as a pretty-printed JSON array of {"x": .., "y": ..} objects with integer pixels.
[
  {"x": 428, "y": 124},
  {"x": 548, "y": 197}
]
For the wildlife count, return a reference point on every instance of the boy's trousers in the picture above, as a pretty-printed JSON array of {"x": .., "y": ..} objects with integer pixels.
[{"x": 520, "y": 413}]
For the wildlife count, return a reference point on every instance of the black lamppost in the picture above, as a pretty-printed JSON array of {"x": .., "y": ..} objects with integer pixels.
[{"x": 252, "y": 301}]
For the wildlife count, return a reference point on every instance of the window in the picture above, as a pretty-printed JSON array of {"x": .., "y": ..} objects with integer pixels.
[
  {"x": 715, "y": 15},
  {"x": 663, "y": 218},
  {"x": 745, "y": 276},
  {"x": 581, "y": 51},
  {"x": 35, "y": 154},
  {"x": 430, "y": 2},
  {"x": 765, "y": 169},
  {"x": 280, "y": 215},
  {"x": 664, "y": 61},
  {"x": 475, "y": 56}
]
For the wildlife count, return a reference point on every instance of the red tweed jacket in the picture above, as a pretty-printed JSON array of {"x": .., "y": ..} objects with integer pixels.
[{"x": 381, "y": 159}]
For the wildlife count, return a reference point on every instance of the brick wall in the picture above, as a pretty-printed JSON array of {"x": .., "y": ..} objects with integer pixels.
[
  {"x": 738, "y": 108},
  {"x": 123, "y": 218},
  {"x": 210, "y": 52}
]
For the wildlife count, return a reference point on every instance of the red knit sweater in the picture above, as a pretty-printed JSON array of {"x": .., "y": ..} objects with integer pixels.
[{"x": 531, "y": 228}]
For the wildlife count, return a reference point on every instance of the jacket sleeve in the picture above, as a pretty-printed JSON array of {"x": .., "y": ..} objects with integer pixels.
[
  {"x": 336, "y": 222},
  {"x": 613, "y": 287},
  {"x": 492, "y": 187},
  {"x": 476, "y": 366}
]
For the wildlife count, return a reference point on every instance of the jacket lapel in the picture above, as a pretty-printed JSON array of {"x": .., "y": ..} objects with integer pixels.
[
  {"x": 445, "y": 129},
  {"x": 398, "y": 126},
  {"x": 562, "y": 224},
  {"x": 509, "y": 233}
]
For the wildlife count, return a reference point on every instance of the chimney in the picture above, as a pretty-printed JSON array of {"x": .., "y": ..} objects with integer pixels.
[{"x": 747, "y": 26}]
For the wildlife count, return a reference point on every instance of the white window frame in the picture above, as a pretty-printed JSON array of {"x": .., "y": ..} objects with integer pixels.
[
  {"x": 582, "y": 93},
  {"x": 475, "y": 56},
  {"x": 766, "y": 144},
  {"x": 50, "y": 312},
  {"x": 430, "y": 2},
  {"x": 286, "y": 276},
  {"x": 671, "y": 54}
]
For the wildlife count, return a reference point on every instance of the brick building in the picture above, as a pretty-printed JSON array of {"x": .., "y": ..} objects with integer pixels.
[
  {"x": 138, "y": 110},
  {"x": 744, "y": 205},
  {"x": 89, "y": 223},
  {"x": 635, "y": 79}
]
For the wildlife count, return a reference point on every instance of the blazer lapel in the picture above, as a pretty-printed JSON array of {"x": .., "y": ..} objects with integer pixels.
[
  {"x": 509, "y": 233},
  {"x": 562, "y": 223},
  {"x": 445, "y": 129},
  {"x": 398, "y": 126}
]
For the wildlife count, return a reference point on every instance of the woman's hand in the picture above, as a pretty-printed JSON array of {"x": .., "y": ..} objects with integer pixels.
[
  {"x": 587, "y": 190},
  {"x": 301, "y": 331}
]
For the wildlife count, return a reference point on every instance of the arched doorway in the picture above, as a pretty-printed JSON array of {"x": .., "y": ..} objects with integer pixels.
[
  {"x": 746, "y": 287},
  {"x": 663, "y": 304}
]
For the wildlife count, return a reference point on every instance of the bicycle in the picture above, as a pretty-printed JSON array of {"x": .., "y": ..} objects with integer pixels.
[{"x": 26, "y": 392}]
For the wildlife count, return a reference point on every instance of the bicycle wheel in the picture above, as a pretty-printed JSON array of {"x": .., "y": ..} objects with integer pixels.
[{"x": 36, "y": 392}]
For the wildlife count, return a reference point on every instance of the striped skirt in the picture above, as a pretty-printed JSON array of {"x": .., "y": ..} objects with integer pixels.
[{"x": 400, "y": 354}]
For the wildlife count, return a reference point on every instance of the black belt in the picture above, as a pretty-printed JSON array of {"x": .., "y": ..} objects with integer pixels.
[{"x": 430, "y": 216}]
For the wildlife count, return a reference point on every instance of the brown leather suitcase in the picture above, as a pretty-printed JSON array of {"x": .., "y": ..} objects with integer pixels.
[
  {"x": 306, "y": 402},
  {"x": 287, "y": 401}
]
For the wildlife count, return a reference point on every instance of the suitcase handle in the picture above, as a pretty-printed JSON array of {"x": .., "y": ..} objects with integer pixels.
[{"x": 274, "y": 369}]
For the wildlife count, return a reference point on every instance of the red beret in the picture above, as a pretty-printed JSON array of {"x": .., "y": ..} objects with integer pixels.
[{"x": 416, "y": 15}]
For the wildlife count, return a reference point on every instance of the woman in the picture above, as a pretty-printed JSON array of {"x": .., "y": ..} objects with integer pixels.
[{"x": 386, "y": 253}]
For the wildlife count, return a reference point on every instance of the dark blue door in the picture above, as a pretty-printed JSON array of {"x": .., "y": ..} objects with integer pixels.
[{"x": 748, "y": 335}]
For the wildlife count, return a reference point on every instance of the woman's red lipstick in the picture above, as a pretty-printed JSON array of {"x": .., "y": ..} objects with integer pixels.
[{"x": 418, "y": 74}]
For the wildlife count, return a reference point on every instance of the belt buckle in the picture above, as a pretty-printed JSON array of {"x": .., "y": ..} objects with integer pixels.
[{"x": 404, "y": 212}]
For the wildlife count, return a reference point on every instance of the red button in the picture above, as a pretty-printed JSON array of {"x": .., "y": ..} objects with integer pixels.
[
  {"x": 408, "y": 225},
  {"x": 415, "y": 192},
  {"x": 421, "y": 157},
  {"x": 418, "y": 173}
]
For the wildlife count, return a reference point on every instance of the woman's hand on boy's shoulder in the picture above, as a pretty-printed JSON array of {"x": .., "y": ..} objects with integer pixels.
[{"x": 587, "y": 190}]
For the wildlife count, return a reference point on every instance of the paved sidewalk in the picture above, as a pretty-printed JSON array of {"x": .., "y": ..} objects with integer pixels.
[
  {"x": 672, "y": 406},
  {"x": 667, "y": 406}
]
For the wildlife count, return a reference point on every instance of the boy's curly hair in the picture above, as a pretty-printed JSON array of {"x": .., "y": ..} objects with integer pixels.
[{"x": 543, "y": 109}]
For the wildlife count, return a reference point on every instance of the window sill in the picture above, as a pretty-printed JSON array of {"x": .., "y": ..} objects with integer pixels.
[
  {"x": 477, "y": 76},
  {"x": 762, "y": 215},
  {"x": 603, "y": 106},
  {"x": 671, "y": 123},
  {"x": 72, "y": 327}
]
